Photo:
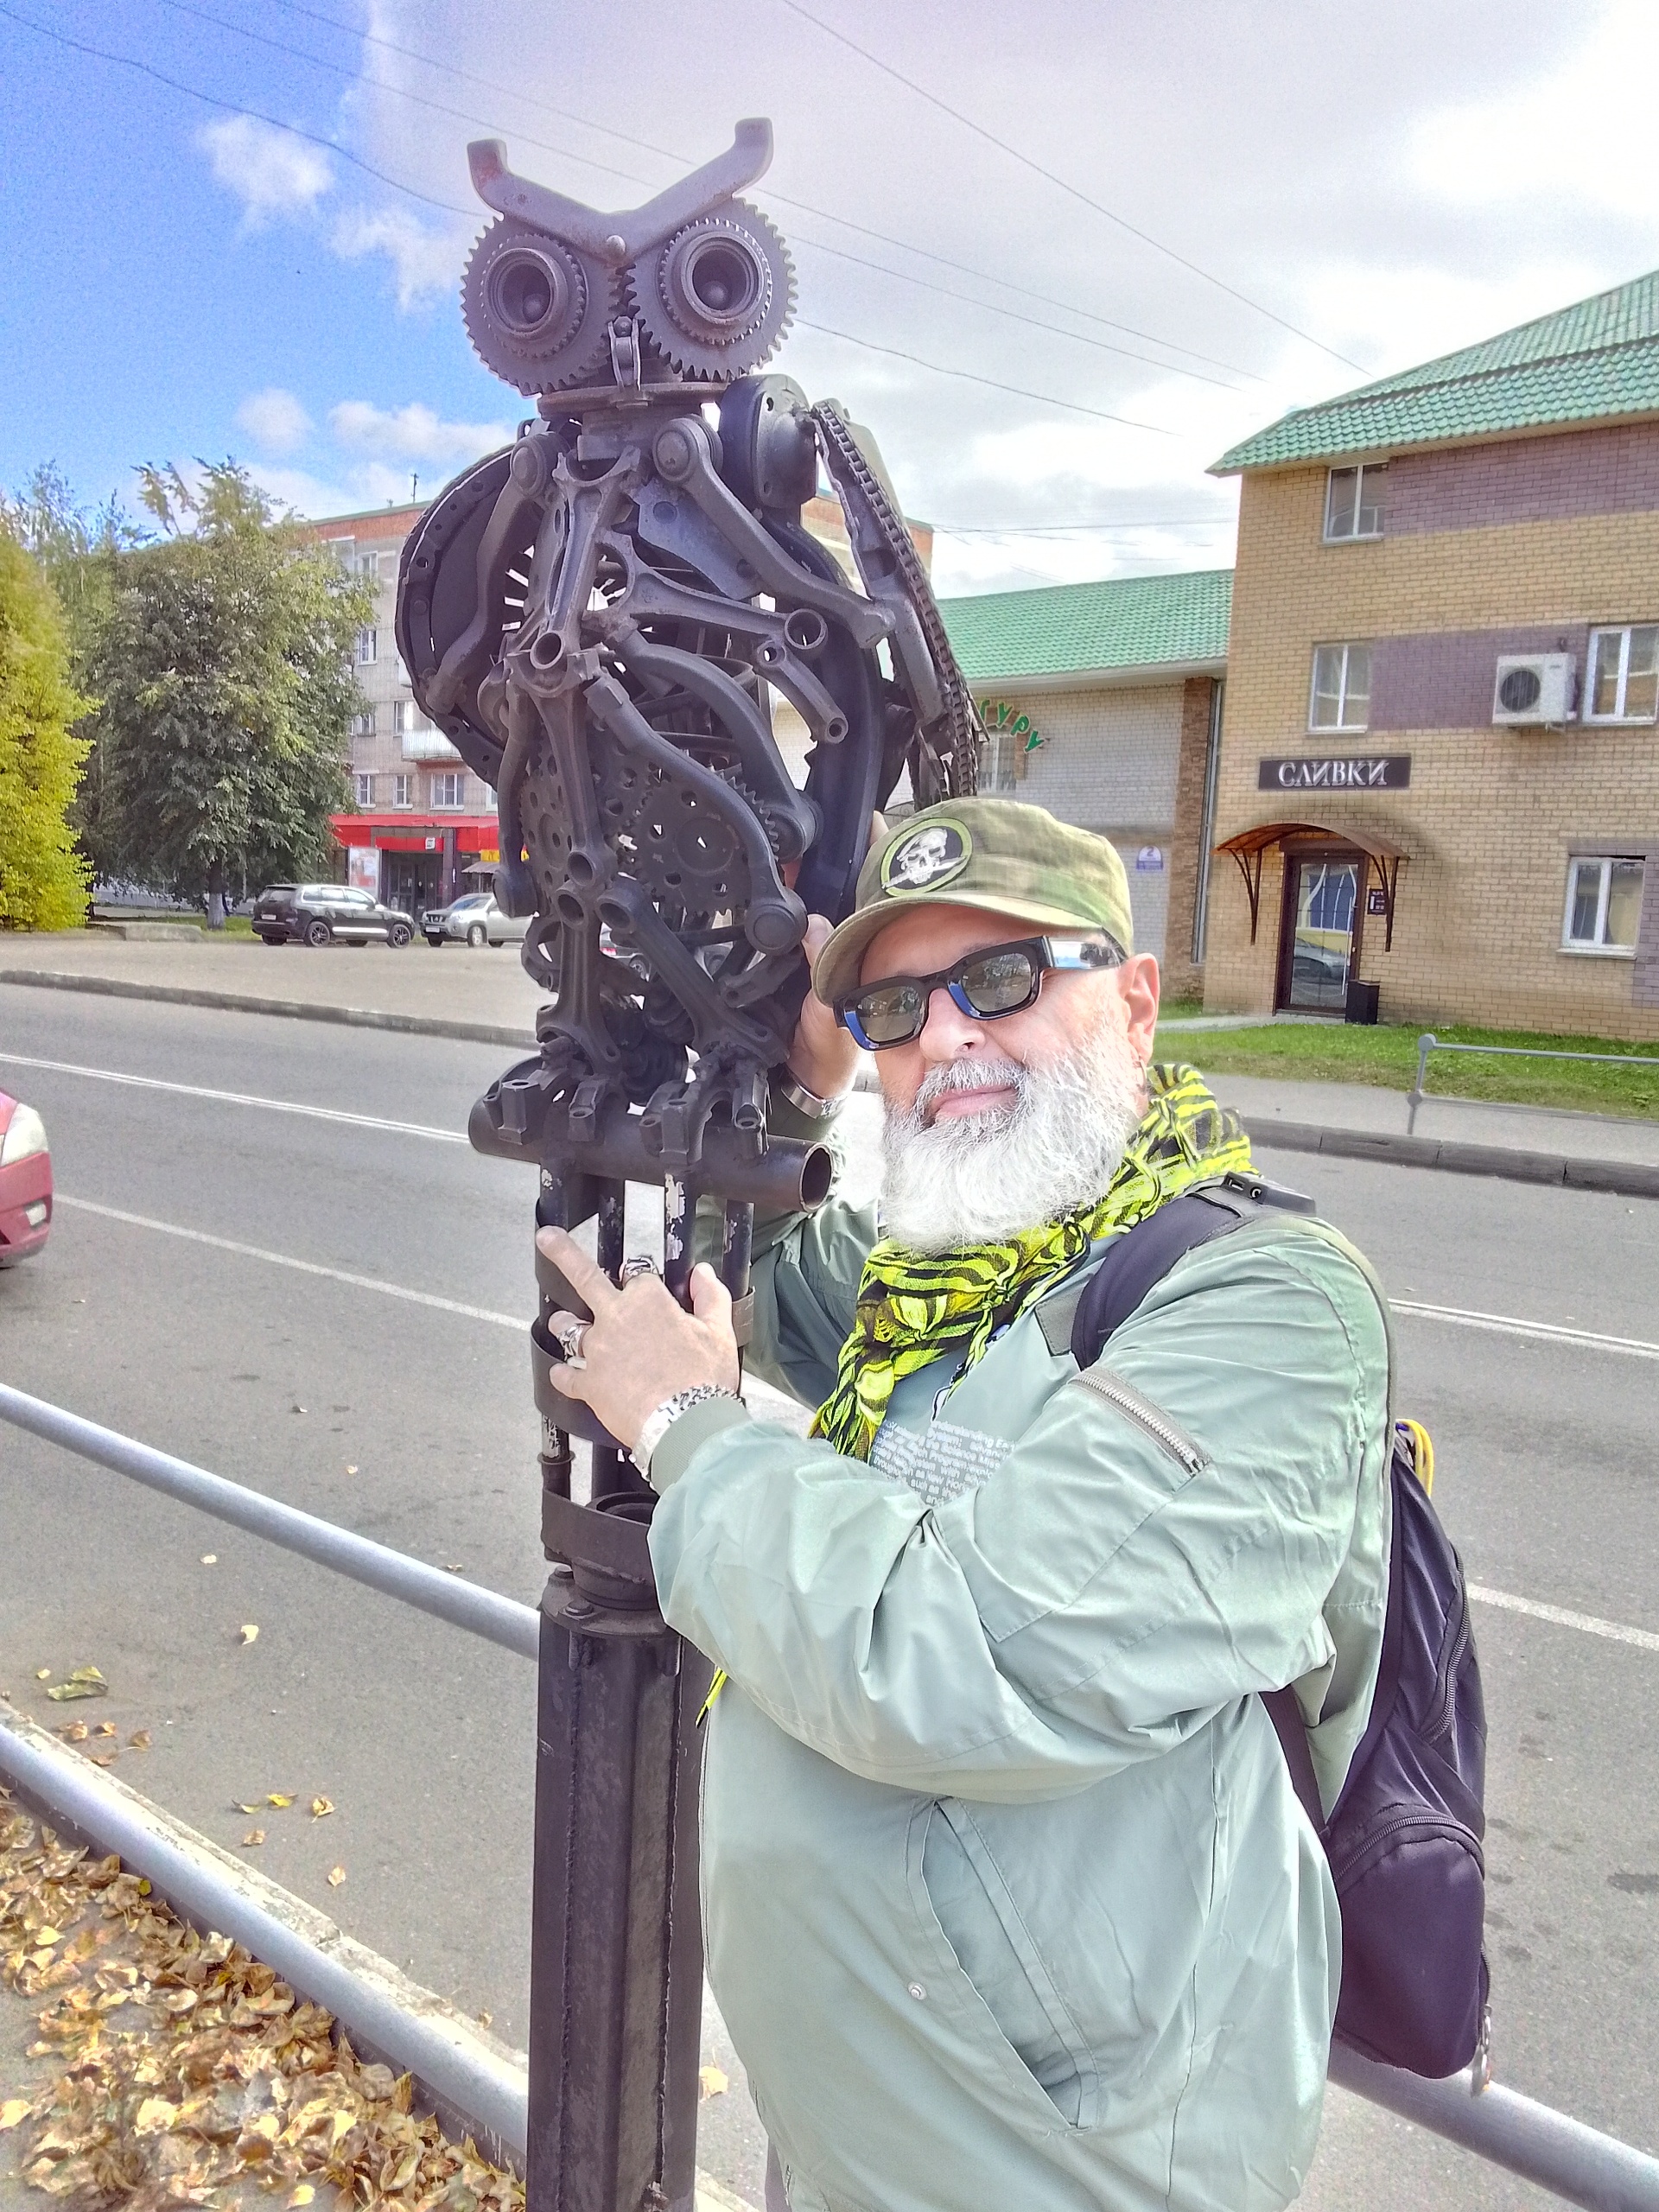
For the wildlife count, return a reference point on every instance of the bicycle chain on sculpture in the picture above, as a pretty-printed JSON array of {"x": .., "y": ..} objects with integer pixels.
[{"x": 597, "y": 618}]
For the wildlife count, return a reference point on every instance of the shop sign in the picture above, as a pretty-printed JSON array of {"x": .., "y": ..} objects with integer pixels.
[
  {"x": 1385, "y": 771},
  {"x": 999, "y": 714},
  {"x": 1377, "y": 899},
  {"x": 1149, "y": 861}
]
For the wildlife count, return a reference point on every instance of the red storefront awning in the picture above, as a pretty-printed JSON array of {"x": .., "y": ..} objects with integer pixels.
[{"x": 406, "y": 831}]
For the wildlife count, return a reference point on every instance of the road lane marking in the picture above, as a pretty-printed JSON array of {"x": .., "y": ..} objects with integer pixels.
[
  {"x": 769, "y": 1402},
  {"x": 301, "y": 1267},
  {"x": 1587, "y": 1623},
  {"x": 240, "y": 1099},
  {"x": 1509, "y": 1325}
]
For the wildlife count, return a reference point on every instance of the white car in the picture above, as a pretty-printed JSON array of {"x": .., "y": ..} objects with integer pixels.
[{"x": 473, "y": 919}]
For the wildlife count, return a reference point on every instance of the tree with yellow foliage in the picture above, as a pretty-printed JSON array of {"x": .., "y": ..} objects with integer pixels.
[{"x": 43, "y": 879}]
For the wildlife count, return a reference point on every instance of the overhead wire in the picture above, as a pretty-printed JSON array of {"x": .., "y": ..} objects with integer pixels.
[
  {"x": 1064, "y": 184},
  {"x": 971, "y": 376},
  {"x": 669, "y": 153}
]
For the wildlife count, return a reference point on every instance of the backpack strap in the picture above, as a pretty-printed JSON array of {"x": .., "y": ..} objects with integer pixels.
[
  {"x": 1135, "y": 1263},
  {"x": 1291, "y": 1729}
]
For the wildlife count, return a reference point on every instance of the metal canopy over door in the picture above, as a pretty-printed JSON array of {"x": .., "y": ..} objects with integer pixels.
[{"x": 1319, "y": 948}]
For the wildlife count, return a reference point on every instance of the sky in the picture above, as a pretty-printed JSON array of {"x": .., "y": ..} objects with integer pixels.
[{"x": 1056, "y": 257}]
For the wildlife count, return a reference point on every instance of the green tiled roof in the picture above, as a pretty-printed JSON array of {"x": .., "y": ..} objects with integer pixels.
[
  {"x": 1128, "y": 622},
  {"x": 1595, "y": 360}
]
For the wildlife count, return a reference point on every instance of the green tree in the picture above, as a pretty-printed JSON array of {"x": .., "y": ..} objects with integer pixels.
[
  {"x": 42, "y": 877},
  {"x": 222, "y": 667}
]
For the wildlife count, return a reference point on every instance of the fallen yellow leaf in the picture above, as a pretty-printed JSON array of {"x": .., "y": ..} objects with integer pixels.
[
  {"x": 104, "y": 1728},
  {"x": 344, "y": 2121},
  {"x": 43, "y": 1674},
  {"x": 13, "y": 2112},
  {"x": 139, "y": 1740},
  {"x": 238, "y": 1807},
  {"x": 49, "y": 1936},
  {"x": 85, "y": 1681},
  {"x": 303, "y": 2194},
  {"x": 105, "y": 1758},
  {"x": 254, "y": 1835},
  {"x": 321, "y": 1807},
  {"x": 250, "y": 1631},
  {"x": 711, "y": 2081},
  {"x": 155, "y": 2116},
  {"x": 73, "y": 1732},
  {"x": 336, "y": 1876},
  {"x": 280, "y": 1799}
]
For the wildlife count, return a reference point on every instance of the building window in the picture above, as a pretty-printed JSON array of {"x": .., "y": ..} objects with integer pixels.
[
  {"x": 403, "y": 717},
  {"x": 364, "y": 647},
  {"x": 448, "y": 789},
  {"x": 1353, "y": 502},
  {"x": 1623, "y": 683},
  {"x": 403, "y": 790},
  {"x": 403, "y": 672},
  {"x": 368, "y": 567},
  {"x": 364, "y": 789},
  {"x": 1604, "y": 902},
  {"x": 1342, "y": 688},
  {"x": 363, "y": 724}
]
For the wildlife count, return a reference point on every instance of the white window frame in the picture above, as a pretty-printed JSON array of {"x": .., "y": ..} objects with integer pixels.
[
  {"x": 403, "y": 790},
  {"x": 362, "y": 725},
  {"x": 1623, "y": 631},
  {"x": 1583, "y": 948},
  {"x": 455, "y": 779},
  {"x": 1341, "y": 726},
  {"x": 364, "y": 789},
  {"x": 1355, "y": 537},
  {"x": 367, "y": 644}
]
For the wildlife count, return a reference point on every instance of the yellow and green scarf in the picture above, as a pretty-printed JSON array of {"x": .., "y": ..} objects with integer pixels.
[{"x": 915, "y": 1307}]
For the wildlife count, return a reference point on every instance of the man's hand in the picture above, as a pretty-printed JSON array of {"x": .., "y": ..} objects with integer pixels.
[
  {"x": 823, "y": 1056},
  {"x": 640, "y": 1347}
]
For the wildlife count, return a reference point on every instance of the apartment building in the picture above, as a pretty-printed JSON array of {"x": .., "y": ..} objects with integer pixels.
[{"x": 1441, "y": 773}]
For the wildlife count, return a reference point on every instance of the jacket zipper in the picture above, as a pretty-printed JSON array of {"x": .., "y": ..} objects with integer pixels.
[{"x": 1158, "y": 1426}]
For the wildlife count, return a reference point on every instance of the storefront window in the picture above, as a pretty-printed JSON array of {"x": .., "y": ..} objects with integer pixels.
[
  {"x": 1604, "y": 905},
  {"x": 1623, "y": 675},
  {"x": 1342, "y": 688}
]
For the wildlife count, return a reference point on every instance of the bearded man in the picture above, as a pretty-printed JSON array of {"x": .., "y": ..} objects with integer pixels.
[{"x": 1010, "y": 1903}]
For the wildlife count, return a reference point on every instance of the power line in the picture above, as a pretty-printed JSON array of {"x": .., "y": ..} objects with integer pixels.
[
  {"x": 668, "y": 153},
  {"x": 459, "y": 115},
  {"x": 1062, "y": 183},
  {"x": 1069, "y": 529},
  {"x": 969, "y": 376},
  {"x": 231, "y": 107}
]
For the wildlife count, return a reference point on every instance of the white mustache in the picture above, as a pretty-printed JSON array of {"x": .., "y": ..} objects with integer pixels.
[{"x": 969, "y": 1074}]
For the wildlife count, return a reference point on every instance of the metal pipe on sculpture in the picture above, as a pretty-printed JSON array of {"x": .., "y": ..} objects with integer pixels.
[{"x": 599, "y": 619}]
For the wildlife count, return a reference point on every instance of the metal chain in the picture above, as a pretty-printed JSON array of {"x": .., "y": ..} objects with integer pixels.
[{"x": 960, "y": 755}]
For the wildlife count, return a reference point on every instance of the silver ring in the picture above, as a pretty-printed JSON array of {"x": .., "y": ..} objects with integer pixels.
[
  {"x": 639, "y": 1266},
  {"x": 570, "y": 1342}
]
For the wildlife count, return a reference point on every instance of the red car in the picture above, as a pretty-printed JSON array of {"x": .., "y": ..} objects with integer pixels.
[{"x": 25, "y": 1181}]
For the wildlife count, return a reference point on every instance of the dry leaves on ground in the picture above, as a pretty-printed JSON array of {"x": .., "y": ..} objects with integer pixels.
[
  {"x": 248, "y": 1633},
  {"x": 85, "y": 1681},
  {"x": 189, "y": 2069}
]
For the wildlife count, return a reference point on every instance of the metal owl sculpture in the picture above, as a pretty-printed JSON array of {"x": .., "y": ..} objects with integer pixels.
[{"x": 599, "y": 619}]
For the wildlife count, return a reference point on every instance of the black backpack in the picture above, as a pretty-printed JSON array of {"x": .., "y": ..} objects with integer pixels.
[{"x": 1404, "y": 1837}]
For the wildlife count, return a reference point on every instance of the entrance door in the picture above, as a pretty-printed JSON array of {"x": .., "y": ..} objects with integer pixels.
[
  {"x": 409, "y": 880},
  {"x": 1321, "y": 936}
]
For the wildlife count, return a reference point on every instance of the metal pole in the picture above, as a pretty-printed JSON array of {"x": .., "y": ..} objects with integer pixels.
[
  {"x": 483, "y": 1612},
  {"x": 1414, "y": 1095},
  {"x": 1560, "y": 2154}
]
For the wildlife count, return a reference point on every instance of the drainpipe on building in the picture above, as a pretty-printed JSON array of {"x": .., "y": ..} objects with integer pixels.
[
  {"x": 1207, "y": 821},
  {"x": 449, "y": 889}
]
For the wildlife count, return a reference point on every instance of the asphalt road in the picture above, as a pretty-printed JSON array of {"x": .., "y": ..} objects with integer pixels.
[{"x": 412, "y": 1424}]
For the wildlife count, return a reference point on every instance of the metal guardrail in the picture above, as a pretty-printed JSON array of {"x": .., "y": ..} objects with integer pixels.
[
  {"x": 1578, "y": 2164},
  {"x": 1428, "y": 1043}
]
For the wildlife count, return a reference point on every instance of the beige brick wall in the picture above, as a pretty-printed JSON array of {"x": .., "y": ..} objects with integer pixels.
[{"x": 1492, "y": 815}]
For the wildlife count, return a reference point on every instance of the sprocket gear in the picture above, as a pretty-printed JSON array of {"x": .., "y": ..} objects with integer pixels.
[
  {"x": 536, "y": 310},
  {"x": 716, "y": 298}
]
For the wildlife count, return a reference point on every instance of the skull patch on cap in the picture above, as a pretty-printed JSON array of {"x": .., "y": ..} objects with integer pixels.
[{"x": 933, "y": 854}]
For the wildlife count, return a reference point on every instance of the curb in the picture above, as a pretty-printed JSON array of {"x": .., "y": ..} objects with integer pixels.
[
  {"x": 1629, "y": 1178},
  {"x": 351, "y": 1017}
]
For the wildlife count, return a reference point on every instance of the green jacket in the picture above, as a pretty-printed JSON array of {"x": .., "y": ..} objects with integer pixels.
[{"x": 1009, "y": 1905}]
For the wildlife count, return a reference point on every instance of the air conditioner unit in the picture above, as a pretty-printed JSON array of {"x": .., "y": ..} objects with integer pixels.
[{"x": 1532, "y": 690}]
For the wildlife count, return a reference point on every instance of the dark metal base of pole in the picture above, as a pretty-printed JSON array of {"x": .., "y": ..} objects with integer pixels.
[{"x": 616, "y": 1986}]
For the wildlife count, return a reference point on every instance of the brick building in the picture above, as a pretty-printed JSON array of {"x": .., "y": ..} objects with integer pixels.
[
  {"x": 1104, "y": 701},
  {"x": 1441, "y": 773}
]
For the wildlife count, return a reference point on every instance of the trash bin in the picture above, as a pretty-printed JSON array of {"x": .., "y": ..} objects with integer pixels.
[{"x": 1361, "y": 1005}]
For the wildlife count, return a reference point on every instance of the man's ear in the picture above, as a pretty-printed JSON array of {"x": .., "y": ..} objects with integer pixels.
[{"x": 1137, "y": 985}]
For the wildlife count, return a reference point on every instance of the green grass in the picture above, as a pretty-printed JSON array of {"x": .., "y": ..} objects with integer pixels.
[
  {"x": 1322, "y": 1051},
  {"x": 235, "y": 924}
]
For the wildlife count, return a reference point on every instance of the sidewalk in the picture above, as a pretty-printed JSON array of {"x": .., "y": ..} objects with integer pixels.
[{"x": 486, "y": 997}]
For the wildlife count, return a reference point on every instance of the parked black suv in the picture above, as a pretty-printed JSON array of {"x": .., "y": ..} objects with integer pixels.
[{"x": 317, "y": 913}]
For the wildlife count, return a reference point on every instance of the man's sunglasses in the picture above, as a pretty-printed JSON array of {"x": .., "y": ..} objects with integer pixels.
[{"x": 1001, "y": 979}]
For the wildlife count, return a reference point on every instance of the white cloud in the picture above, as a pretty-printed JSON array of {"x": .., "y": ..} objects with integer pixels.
[
  {"x": 426, "y": 262},
  {"x": 272, "y": 172},
  {"x": 412, "y": 433},
  {"x": 274, "y": 419}
]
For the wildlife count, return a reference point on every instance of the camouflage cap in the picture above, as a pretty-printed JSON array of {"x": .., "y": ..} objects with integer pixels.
[{"x": 997, "y": 853}]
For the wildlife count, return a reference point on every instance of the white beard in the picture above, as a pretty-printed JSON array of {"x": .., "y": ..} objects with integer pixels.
[{"x": 980, "y": 1179}]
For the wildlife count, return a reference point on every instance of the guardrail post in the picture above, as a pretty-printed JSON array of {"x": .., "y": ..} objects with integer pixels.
[{"x": 1414, "y": 1095}]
